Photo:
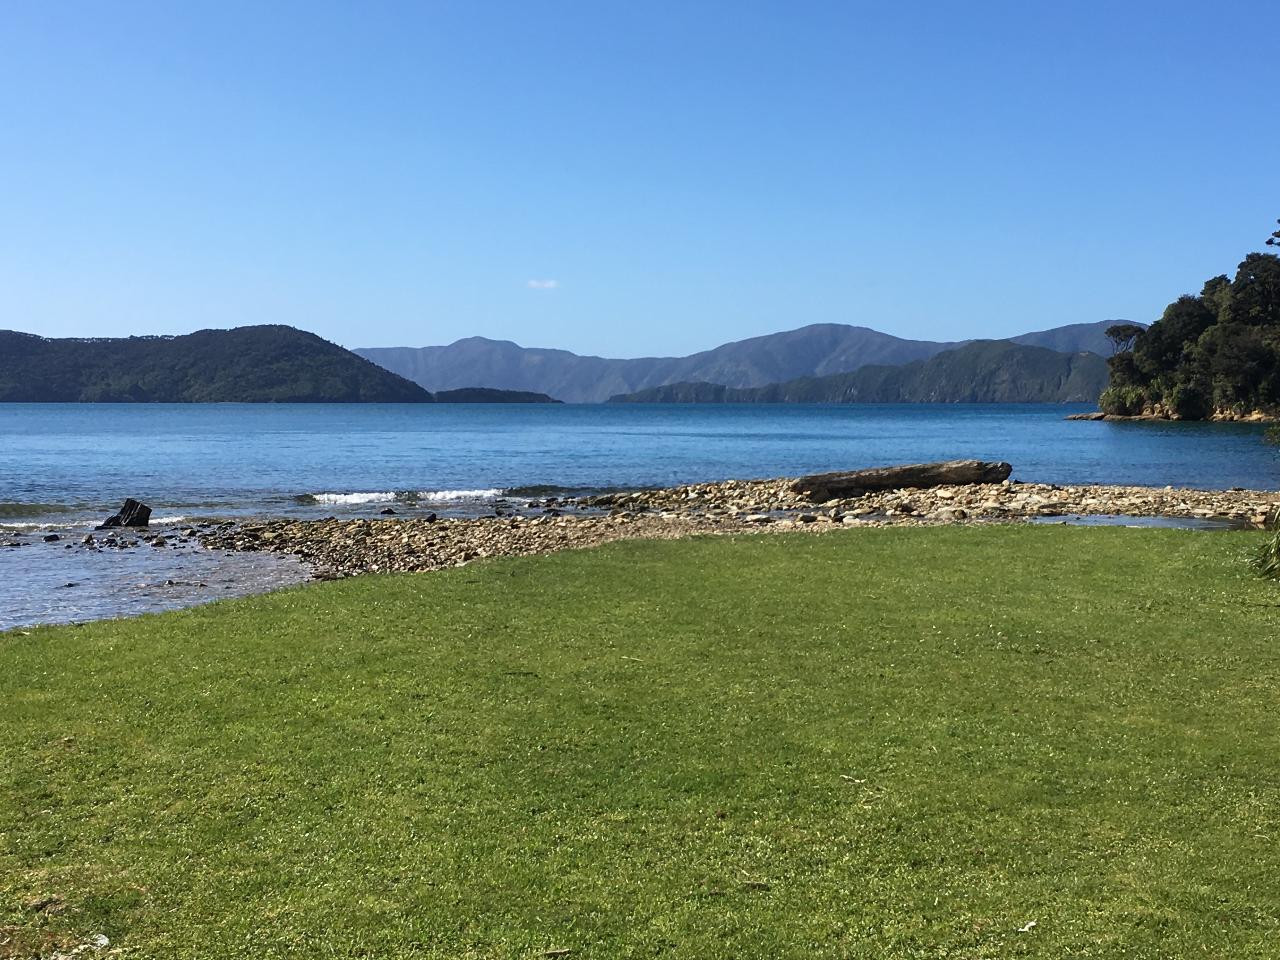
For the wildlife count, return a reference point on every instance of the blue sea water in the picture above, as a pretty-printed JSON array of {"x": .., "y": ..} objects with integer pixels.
[
  {"x": 63, "y": 467},
  {"x": 74, "y": 461}
]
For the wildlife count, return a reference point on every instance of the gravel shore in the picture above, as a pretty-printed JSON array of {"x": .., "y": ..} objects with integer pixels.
[{"x": 340, "y": 548}]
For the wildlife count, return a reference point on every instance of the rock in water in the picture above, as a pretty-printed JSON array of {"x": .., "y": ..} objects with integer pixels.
[
  {"x": 829, "y": 486},
  {"x": 132, "y": 514}
]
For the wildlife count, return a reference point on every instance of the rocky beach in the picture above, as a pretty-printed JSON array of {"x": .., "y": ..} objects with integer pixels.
[
  {"x": 85, "y": 573},
  {"x": 339, "y": 548}
]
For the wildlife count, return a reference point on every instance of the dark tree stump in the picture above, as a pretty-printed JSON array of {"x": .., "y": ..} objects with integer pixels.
[{"x": 132, "y": 514}]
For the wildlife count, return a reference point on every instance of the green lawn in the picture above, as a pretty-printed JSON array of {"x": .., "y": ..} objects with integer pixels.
[{"x": 874, "y": 743}]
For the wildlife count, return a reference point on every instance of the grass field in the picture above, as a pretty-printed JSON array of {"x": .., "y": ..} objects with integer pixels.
[{"x": 947, "y": 742}]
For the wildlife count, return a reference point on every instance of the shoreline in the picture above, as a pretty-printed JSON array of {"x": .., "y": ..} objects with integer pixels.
[
  {"x": 1256, "y": 416},
  {"x": 336, "y": 548},
  {"x": 127, "y": 571},
  {"x": 88, "y": 576}
]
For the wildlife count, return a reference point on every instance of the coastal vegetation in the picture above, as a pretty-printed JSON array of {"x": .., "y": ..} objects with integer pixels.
[
  {"x": 1215, "y": 355},
  {"x": 960, "y": 741},
  {"x": 1267, "y": 558},
  {"x": 269, "y": 363},
  {"x": 985, "y": 371}
]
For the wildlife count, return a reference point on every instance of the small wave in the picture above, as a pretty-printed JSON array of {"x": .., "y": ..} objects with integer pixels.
[
  {"x": 402, "y": 496},
  {"x": 24, "y": 526},
  {"x": 14, "y": 508},
  {"x": 457, "y": 496},
  {"x": 83, "y": 523},
  {"x": 557, "y": 490},
  {"x": 350, "y": 499},
  {"x": 549, "y": 490}
]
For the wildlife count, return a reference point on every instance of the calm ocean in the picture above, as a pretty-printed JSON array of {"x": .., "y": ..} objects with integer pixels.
[
  {"x": 65, "y": 463},
  {"x": 64, "y": 467}
]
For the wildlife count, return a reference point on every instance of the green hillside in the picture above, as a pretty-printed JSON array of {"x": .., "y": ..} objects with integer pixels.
[
  {"x": 248, "y": 365},
  {"x": 986, "y": 371}
]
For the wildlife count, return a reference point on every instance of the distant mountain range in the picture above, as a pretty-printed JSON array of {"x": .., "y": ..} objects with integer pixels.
[
  {"x": 813, "y": 351},
  {"x": 1072, "y": 338},
  {"x": 985, "y": 371},
  {"x": 244, "y": 365},
  {"x": 820, "y": 363}
]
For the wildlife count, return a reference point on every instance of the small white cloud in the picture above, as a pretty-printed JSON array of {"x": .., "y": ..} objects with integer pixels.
[{"x": 542, "y": 284}]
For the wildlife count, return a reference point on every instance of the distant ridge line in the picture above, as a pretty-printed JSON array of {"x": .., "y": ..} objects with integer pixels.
[{"x": 815, "y": 350}]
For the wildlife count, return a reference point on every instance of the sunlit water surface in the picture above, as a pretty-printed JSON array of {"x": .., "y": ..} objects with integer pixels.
[{"x": 63, "y": 467}]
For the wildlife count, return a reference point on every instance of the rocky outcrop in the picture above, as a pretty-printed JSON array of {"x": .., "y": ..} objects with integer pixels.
[
  {"x": 132, "y": 514},
  {"x": 1228, "y": 415},
  {"x": 821, "y": 487},
  {"x": 1160, "y": 412}
]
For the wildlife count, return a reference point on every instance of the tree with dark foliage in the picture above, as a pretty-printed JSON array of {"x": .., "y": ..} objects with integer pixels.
[
  {"x": 1213, "y": 354},
  {"x": 1122, "y": 336}
]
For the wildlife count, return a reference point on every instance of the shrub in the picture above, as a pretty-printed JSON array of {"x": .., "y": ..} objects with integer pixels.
[
  {"x": 1122, "y": 401},
  {"x": 1188, "y": 402},
  {"x": 1267, "y": 559}
]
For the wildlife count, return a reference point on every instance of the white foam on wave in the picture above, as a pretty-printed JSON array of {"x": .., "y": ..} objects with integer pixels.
[
  {"x": 457, "y": 496},
  {"x": 354, "y": 498},
  {"x": 422, "y": 496},
  {"x": 24, "y": 526},
  {"x": 20, "y": 526}
]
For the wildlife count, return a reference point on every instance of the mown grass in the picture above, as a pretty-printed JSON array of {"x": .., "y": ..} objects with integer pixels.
[{"x": 879, "y": 743}]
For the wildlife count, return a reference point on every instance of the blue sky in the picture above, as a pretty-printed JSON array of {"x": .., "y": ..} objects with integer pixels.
[{"x": 626, "y": 178}]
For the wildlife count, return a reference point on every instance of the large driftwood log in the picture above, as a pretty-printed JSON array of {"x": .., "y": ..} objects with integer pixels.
[{"x": 820, "y": 487}]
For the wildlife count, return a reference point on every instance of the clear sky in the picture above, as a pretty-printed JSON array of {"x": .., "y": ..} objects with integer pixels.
[{"x": 627, "y": 178}]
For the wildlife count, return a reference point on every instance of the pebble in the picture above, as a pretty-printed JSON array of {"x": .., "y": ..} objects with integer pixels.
[{"x": 341, "y": 548}]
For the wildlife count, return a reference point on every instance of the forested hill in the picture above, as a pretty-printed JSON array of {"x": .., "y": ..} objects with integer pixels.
[
  {"x": 1211, "y": 356},
  {"x": 986, "y": 371},
  {"x": 489, "y": 395},
  {"x": 246, "y": 364}
]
